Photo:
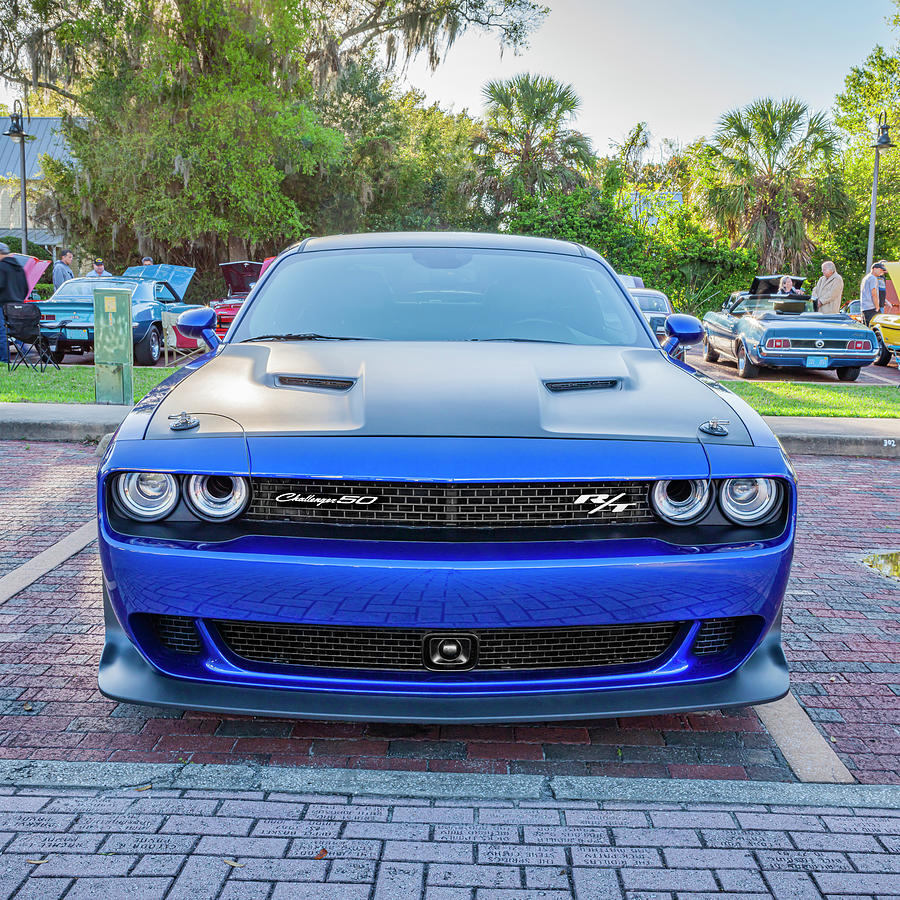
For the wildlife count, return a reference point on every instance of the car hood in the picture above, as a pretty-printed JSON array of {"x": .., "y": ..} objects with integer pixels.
[
  {"x": 446, "y": 389},
  {"x": 240, "y": 276}
]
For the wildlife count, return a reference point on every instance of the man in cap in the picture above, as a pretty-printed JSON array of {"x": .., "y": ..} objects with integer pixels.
[
  {"x": 97, "y": 270},
  {"x": 869, "y": 298},
  {"x": 13, "y": 287}
]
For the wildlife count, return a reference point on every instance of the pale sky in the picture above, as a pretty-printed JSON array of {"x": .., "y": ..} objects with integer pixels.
[{"x": 676, "y": 64}]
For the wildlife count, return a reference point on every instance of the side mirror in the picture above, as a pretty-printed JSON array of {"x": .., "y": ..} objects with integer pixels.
[
  {"x": 682, "y": 331},
  {"x": 199, "y": 324}
]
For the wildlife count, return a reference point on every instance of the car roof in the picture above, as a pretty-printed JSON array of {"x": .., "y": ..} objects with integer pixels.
[
  {"x": 470, "y": 240},
  {"x": 645, "y": 291}
]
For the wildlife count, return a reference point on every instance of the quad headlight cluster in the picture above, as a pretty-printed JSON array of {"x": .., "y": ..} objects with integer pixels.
[
  {"x": 151, "y": 496},
  {"x": 744, "y": 501}
]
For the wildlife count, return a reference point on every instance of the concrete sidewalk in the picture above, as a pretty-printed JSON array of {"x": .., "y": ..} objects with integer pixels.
[
  {"x": 836, "y": 436},
  {"x": 59, "y": 421},
  {"x": 798, "y": 434}
]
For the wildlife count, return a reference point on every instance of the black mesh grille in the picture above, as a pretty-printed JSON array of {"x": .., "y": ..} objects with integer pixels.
[
  {"x": 402, "y": 648},
  {"x": 178, "y": 633},
  {"x": 431, "y": 505},
  {"x": 715, "y": 636}
]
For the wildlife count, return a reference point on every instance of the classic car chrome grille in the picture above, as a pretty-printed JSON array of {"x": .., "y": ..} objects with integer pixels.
[
  {"x": 812, "y": 344},
  {"x": 433, "y": 505},
  {"x": 402, "y": 648}
]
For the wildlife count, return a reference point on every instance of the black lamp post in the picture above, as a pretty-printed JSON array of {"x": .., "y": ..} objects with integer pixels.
[
  {"x": 883, "y": 142},
  {"x": 16, "y": 132}
]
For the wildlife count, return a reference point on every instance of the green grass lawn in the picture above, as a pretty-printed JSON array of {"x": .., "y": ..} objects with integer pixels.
[
  {"x": 776, "y": 398},
  {"x": 72, "y": 384}
]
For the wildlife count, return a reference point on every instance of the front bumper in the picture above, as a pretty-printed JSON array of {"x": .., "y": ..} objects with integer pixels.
[
  {"x": 798, "y": 361},
  {"x": 126, "y": 676}
]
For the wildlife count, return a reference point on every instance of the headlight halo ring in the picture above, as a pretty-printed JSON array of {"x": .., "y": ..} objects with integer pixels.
[
  {"x": 147, "y": 496},
  {"x": 211, "y": 499},
  {"x": 681, "y": 501},
  {"x": 749, "y": 500}
]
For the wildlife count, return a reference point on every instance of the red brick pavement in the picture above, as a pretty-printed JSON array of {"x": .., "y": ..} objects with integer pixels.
[
  {"x": 841, "y": 632},
  {"x": 46, "y": 491},
  {"x": 842, "y": 617}
]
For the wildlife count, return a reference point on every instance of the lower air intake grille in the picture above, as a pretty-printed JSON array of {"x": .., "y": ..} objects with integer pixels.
[
  {"x": 715, "y": 636},
  {"x": 435, "y": 505},
  {"x": 177, "y": 633},
  {"x": 402, "y": 649}
]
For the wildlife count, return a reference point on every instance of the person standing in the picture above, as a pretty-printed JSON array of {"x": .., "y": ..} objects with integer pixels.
[
  {"x": 869, "y": 299},
  {"x": 13, "y": 287},
  {"x": 97, "y": 270},
  {"x": 829, "y": 290},
  {"x": 62, "y": 269},
  {"x": 147, "y": 261}
]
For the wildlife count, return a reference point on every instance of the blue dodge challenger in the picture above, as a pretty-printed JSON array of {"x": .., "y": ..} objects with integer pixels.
[{"x": 443, "y": 478}]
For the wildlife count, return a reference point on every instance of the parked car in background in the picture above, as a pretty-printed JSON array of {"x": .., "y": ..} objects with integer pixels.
[
  {"x": 152, "y": 288},
  {"x": 761, "y": 328},
  {"x": 239, "y": 278},
  {"x": 887, "y": 329},
  {"x": 656, "y": 307},
  {"x": 447, "y": 478}
]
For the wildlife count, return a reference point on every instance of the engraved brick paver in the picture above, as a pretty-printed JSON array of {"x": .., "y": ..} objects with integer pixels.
[{"x": 354, "y": 858}]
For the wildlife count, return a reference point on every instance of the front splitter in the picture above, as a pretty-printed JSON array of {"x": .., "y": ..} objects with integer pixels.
[{"x": 125, "y": 675}]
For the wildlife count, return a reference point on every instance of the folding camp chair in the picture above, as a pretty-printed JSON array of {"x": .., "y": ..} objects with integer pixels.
[
  {"x": 23, "y": 330},
  {"x": 175, "y": 343}
]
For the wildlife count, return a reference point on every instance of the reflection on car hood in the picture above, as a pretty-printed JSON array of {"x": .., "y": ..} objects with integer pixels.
[{"x": 448, "y": 389}]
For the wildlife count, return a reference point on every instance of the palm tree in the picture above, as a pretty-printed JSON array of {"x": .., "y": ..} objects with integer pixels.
[
  {"x": 768, "y": 175},
  {"x": 526, "y": 145}
]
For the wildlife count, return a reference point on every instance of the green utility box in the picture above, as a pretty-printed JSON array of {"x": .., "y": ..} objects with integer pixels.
[{"x": 113, "y": 347}]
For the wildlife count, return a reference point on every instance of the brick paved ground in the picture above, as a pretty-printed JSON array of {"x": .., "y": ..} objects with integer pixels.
[
  {"x": 842, "y": 632},
  {"x": 46, "y": 491},
  {"x": 202, "y": 845}
]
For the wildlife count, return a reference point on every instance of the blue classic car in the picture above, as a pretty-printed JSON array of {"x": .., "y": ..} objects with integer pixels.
[
  {"x": 443, "y": 478},
  {"x": 153, "y": 289},
  {"x": 763, "y": 328}
]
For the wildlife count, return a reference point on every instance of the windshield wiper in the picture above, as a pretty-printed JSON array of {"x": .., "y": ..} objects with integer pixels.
[
  {"x": 519, "y": 340},
  {"x": 305, "y": 336}
]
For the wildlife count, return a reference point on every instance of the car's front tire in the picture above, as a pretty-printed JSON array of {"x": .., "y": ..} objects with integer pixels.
[
  {"x": 709, "y": 355},
  {"x": 58, "y": 356},
  {"x": 848, "y": 373},
  {"x": 745, "y": 368},
  {"x": 148, "y": 348}
]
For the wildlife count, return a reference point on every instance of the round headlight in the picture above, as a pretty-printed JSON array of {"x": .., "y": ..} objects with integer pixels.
[
  {"x": 680, "y": 501},
  {"x": 217, "y": 497},
  {"x": 147, "y": 495},
  {"x": 747, "y": 501}
]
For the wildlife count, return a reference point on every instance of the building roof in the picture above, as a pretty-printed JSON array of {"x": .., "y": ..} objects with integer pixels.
[{"x": 47, "y": 139}]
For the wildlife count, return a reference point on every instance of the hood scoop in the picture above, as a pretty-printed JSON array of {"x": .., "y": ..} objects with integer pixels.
[
  {"x": 582, "y": 384},
  {"x": 315, "y": 382}
]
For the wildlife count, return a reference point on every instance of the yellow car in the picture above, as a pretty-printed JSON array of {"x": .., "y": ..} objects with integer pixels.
[{"x": 887, "y": 329}]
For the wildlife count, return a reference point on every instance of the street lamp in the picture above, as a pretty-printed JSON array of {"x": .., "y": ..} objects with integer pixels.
[
  {"x": 16, "y": 132},
  {"x": 883, "y": 142}
]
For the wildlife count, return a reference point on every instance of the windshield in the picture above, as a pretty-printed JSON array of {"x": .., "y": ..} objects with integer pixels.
[
  {"x": 84, "y": 287},
  {"x": 442, "y": 294},
  {"x": 651, "y": 302},
  {"x": 770, "y": 304}
]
